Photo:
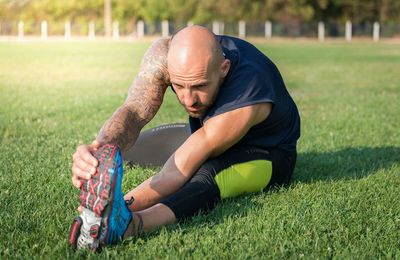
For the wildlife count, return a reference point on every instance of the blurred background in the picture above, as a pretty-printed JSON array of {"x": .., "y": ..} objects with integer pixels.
[{"x": 245, "y": 18}]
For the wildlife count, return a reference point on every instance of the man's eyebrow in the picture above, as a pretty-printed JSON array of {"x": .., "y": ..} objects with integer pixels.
[{"x": 198, "y": 84}]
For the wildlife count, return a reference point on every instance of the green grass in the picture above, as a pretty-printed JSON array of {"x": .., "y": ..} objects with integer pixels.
[{"x": 343, "y": 201}]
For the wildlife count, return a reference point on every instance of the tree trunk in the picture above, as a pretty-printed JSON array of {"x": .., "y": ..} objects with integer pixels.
[{"x": 107, "y": 17}]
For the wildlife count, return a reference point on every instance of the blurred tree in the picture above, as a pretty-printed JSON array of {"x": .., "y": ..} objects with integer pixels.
[
  {"x": 295, "y": 10},
  {"x": 205, "y": 11},
  {"x": 155, "y": 10},
  {"x": 387, "y": 10},
  {"x": 107, "y": 17},
  {"x": 127, "y": 12},
  {"x": 182, "y": 11}
]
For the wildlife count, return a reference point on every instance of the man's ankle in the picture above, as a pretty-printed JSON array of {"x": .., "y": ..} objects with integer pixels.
[{"x": 135, "y": 227}]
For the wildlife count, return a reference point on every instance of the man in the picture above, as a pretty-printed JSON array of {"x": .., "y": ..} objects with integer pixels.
[{"x": 244, "y": 127}]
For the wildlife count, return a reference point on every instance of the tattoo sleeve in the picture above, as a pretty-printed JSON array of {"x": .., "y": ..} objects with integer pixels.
[{"x": 144, "y": 99}]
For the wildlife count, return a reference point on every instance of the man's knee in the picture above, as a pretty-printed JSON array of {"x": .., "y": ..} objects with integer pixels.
[
  {"x": 201, "y": 193},
  {"x": 204, "y": 184}
]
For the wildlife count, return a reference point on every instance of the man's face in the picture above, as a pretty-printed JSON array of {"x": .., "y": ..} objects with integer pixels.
[{"x": 196, "y": 87}]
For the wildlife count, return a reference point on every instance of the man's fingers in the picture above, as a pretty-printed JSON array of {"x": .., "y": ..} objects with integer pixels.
[
  {"x": 92, "y": 148},
  {"x": 95, "y": 144},
  {"x": 84, "y": 167},
  {"x": 79, "y": 173},
  {"x": 84, "y": 163},
  {"x": 75, "y": 156},
  {"x": 86, "y": 155},
  {"x": 76, "y": 181},
  {"x": 80, "y": 209}
]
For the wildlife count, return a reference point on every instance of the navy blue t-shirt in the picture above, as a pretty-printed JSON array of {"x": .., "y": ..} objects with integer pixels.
[{"x": 253, "y": 79}]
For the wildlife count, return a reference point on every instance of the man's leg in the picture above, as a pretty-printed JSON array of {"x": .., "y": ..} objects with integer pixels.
[
  {"x": 154, "y": 146},
  {"x": 149, "y": 219},
  {"x": 157, "y": 187},
  {"x": 237, "y": 171}
]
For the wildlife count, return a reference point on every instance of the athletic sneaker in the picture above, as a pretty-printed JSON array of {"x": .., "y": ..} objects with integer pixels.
[{"x": 105, "y": 216}]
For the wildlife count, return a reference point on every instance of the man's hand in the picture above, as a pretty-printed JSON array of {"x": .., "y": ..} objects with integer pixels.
[{"x": 84, "y": 163}]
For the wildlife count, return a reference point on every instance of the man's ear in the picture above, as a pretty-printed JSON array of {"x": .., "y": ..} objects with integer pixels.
[{"x": 225, "y": 66}]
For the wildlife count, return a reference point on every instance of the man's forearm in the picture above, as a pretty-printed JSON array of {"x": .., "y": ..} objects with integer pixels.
[
  {"x": 121, "y": 129},
  {"x": 164, "y": 183},
  {"x": 143, "y": 101}
]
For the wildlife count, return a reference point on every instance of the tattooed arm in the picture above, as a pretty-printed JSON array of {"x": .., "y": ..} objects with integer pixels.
[{"x": 144, "y": 99}]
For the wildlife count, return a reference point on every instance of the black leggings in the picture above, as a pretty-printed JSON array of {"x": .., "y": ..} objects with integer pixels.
[{"x": 207, "y": 186}]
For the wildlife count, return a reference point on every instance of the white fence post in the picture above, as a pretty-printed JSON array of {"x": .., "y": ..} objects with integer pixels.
[
  {"x": 107, "y": 18},
  {"x": 215, "y": 27},
  {"x": 67, "y": 30},
  {"x": 348, "y": 31},
  {"x": 321, "y": 31},
  {"x": 218, "y": 27},
  {"x": 115, "y": 30},
  {"x": 20, "y": 30},
  {"x": 242, "y": 29},
  {"x": 190, "y": 23},
  {"x": 268, "y": 29},
  {"x": 140, "y": 29},
  {"x": 92, "y": 33},
  {"x": 43, "y": 29},
  {"x": 376, "y": 32},
  {"x": 165, "y": 28}
]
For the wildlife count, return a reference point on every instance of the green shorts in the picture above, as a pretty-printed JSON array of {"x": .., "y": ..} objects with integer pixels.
[{"x": 239, "y": 170}]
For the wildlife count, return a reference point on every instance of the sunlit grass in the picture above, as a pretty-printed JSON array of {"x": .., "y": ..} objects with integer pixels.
[{"x": 342, "y": 202}]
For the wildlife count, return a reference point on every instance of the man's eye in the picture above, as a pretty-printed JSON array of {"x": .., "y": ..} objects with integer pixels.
[{"x": 176, "y": 86}]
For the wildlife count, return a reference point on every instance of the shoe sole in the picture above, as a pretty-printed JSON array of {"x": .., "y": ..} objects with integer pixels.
[
  {"x": 75, "y": 232},
  {"x": 97, "y": 193}
]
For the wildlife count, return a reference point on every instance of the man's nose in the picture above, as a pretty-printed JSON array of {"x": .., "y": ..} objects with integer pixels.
[{"x": 190, "y": 99}]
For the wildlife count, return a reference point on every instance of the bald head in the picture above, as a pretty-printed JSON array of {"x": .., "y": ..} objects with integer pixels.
[
  {"x": 194, "y": 45},
  {"x": 196, "y": 68}
]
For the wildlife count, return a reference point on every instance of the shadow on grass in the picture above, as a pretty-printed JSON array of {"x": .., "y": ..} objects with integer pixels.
[{"x": 349, "y": 163}]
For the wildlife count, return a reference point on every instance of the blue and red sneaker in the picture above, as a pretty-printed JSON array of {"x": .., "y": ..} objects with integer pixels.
[{"x": 106, "y": 215}]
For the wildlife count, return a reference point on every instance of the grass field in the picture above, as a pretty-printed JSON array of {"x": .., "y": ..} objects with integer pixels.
[{"x": 343, "y": 201}]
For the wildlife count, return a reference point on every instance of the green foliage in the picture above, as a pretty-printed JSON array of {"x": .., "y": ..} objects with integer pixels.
[
  {"x": 203, "y": 11},
  {"x": 341, "y": 204}
]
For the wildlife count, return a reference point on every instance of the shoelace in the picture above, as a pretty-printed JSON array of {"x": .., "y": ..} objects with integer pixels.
[{"x": 130, "y": 201}]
